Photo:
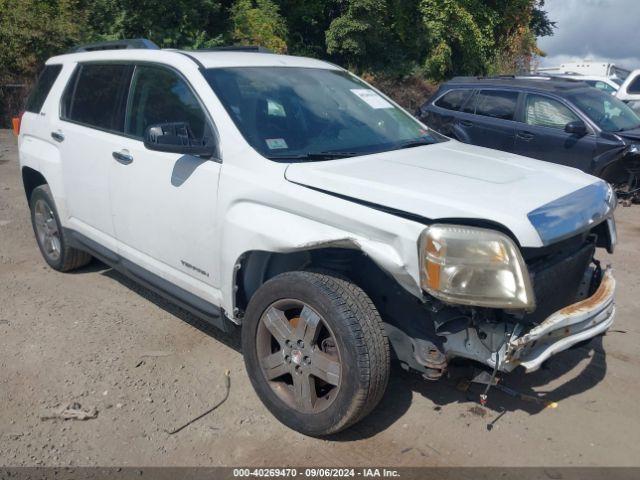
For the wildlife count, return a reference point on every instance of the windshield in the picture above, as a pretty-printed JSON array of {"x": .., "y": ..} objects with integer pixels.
[
  {"x": 293, "y": 113},
  {"x": 606, "y": 111}
]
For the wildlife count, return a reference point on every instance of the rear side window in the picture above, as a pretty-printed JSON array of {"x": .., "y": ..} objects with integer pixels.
[
  {"x": 545, "y": 112},
  {"x": 42, "y": 88},
  {"x": 497, "y": 104},
  {"x": 634, "y": 86},
  {"x": 96, "y": 96},
  {"x": 453, "y": 100},
  {"x": 159, "y": 95}
]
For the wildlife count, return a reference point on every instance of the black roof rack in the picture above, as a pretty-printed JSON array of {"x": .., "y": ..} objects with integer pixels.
[
  {"x": 142, "y": 43},
  {"x": 235, "y": 48},
  {"x": 547, "y": 83}
]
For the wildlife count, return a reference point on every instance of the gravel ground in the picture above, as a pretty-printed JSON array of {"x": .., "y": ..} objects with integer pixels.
[{"x": 94, "y": 338}]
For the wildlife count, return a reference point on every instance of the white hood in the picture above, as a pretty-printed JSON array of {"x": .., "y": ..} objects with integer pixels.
[{"x": 449, "y": 180}]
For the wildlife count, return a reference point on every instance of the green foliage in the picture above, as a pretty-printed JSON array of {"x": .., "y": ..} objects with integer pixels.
[
  {"x": 170, "y": 24},
  {"x": 258, "y": 22},
  {"x": 459, "y": 41},
  {"x": 360, "y": 33},
  {"x": 401, "y": 41},
  {"x": 33, "y": 30}
]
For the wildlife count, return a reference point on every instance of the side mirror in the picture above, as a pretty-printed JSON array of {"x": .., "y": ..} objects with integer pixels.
[
  {"x": 176, "y": 137},
  {"x": 577, "y": 127}
]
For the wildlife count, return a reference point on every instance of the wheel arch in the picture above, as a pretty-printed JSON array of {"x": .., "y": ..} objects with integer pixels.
[
  {"x": 254, "y": 268},
  {"x": 31, "y": 179}
]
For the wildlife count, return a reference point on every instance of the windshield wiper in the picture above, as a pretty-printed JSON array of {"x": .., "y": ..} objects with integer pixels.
[
  {"x": 415, "y": 143},
  {"x": 314, "y": 156},
  {"x": 630, "y": 128}
]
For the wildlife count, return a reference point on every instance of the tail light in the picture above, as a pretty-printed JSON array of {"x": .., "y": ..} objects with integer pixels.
[{"x": 15, "y": 122}]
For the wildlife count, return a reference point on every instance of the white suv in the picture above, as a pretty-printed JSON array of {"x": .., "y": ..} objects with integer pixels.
[{"x": 288, "y": 197}]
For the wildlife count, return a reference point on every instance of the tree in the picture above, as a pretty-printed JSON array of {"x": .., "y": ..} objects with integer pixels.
[
  {"x": 258, "y": 22},
  {"x": 172, "y": 24},
  {"x": 33, "y": 30}
]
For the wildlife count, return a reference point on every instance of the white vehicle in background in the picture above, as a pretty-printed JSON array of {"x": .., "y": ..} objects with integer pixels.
[
  {"x": 605, "y": 84},
  {"x": 608, "y": 77},
  {"x": 608, "y": 73},
  {"x": 629, "y": 91}
]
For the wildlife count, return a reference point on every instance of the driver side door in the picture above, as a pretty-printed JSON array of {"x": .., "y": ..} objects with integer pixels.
[
  {"x": 542, "y": 135},
  {"x": 164, "y": 204}
]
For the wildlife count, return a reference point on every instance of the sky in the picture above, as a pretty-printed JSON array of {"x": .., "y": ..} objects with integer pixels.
[{"x": 593, "y": 29}]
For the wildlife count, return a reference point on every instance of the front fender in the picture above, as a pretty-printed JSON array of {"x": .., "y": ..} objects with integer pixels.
[{"x": 278, "y": 230}]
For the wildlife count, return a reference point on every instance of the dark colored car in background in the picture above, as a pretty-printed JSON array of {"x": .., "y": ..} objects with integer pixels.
[{"x": 558, "y": 120}]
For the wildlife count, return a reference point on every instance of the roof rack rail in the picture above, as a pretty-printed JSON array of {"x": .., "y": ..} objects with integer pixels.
[
  {"x": 127, "y": 43},
  {"x": 235, "y": 48}
]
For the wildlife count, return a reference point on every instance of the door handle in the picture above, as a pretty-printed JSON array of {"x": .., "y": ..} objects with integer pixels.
[
  {"x": 525, "y": 136},
  {"x": 57, "y": 136},
  {"x": 123, "y": 157},
  {"x": 466, "y": 123}
]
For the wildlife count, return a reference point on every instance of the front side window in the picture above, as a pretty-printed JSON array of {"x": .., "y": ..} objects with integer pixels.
[
  {"x": 42, "y": 88},
  {"x": 497, "y": 104},
  {"x": 96, "y": 96},
  {"x": 543, "y": 111},
  {"x": 453, "y": 100},
  {"x": 289, "y": 113},
  {"x": 159, "y": 95},
  {"x": 606, "y": 111}
]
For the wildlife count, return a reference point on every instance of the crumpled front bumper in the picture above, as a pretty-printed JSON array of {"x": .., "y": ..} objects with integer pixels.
[{"x": 566, "y": 327}]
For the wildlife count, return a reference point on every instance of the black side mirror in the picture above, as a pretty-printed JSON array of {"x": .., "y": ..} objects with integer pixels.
[
  {"x": 176, "y": 137},
  {"x": 576, "y": 127}
]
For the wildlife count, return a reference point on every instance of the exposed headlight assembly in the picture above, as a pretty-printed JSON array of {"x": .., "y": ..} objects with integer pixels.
[{"x": 474, "y": 266}]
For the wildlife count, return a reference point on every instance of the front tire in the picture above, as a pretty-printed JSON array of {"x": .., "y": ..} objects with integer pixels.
[
  {"x": 50, "y": 235},
  {"x": 316, "y": 351}
]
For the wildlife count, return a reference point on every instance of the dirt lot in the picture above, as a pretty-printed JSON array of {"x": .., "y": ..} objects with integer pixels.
[{"x": 94, "y": 338}]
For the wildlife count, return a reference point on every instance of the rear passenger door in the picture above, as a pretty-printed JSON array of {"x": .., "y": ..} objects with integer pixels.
[
  {"x": 164, "y": 204},
  {"x": 542, "y": 135},
  {"x": 490, "y": 119},
  {"x": 90, "y": 127}
]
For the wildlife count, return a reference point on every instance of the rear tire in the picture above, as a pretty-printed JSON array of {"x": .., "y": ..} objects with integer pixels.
[
  {"x": 321, "y": 332},
  {"x": 50, "y": 236}
]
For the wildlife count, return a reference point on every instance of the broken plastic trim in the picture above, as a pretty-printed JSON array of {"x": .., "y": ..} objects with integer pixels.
[{"x": 566, "y": 327}]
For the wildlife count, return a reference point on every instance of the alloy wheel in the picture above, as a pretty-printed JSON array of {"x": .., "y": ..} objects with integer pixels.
[
  {"x": 299, "y": 356},
  {"x": 47, "y": 230}
]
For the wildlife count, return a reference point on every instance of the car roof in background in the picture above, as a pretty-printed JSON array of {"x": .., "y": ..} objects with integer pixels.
[{"x": 529, "y": 82}]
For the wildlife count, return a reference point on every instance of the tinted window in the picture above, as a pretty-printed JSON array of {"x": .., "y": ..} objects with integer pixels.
[
  {"x": 470, "y": 106},
  {"x": 453, "y": 100},
  {"x": 159, "y": 95},
  {"x": 39, "y": 93},
  {"x": 96, "y": 96},
  {"x": 546, "y": 112},
  {"x": 497, "y": 104},
  {"x": 634, "y": 86}
]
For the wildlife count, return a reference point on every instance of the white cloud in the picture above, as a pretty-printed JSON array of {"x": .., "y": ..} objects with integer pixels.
[{"x": 606, "y": 30}]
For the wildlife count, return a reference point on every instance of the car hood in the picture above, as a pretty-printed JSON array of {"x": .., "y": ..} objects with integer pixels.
[
  {"x": 633, "y": 135},
  {"x": 538, "y": 202}
]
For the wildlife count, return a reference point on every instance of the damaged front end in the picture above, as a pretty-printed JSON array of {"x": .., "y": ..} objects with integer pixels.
[
  {"x": 623, "y": 172},
  {"x": 505, "y": 341},
  {"x": 504, "y": 306}
]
